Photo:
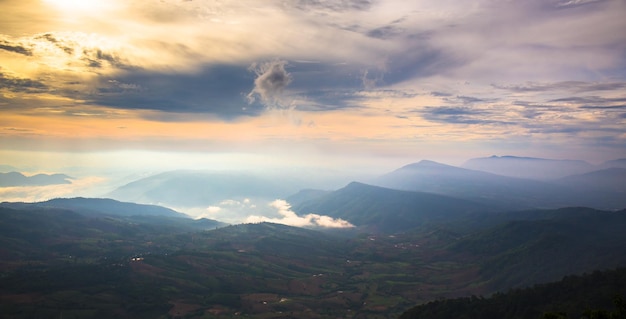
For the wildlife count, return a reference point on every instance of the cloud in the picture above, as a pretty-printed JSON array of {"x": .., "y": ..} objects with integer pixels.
[
  {"x": 213, "y": 209},
  {"x": 79, "y": 187},
  {"x": 4, "y": 45},
  {"x": 214, "y": 90},
  {"x": 589, "y": 100},
  {"x": 459, "y": 115},
  {"x": 332, "y": 5},
  {"x": 572, "y": 86},
  {"x": 270, "y": 84},
  {"x": 576, "y": 3},
  {"x": 15, "y": 84},
  {"x": 500, "y": 64},
  {"x": 289, "y": 217}
]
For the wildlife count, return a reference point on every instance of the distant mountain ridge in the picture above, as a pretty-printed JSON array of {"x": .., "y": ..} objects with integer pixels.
[
  {"x": 7, "y": 168},
  {"x": 190, "y": 188},
  {"x": 433, "y": 177},
  {"x": 387, "y": 209},
  {"x": 19, "y": 179},
  {"x": 102, "y": 206},
  {"x": 508, "y": 192},
  {"x": 609, "y": 180},
  {"x": 615, "y": 163},
  {"x": 528, "y": 167}
]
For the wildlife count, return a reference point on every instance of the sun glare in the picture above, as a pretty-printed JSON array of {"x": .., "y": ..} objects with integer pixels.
[{"x": 76, "y": 5}]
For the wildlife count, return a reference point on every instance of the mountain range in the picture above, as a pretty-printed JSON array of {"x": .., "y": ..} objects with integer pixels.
[
  {"x": 529, "y": 167},
  {"x": 98, "y": 206},
  {"x": 537, "y": 168},
  {"x": 189, "y": 188},
  {"x": 596, "y": 189},
  {"x": 424, "y": 232},
  {"x": 19, "y": 179},
  {"x": 386, "y": 209}
]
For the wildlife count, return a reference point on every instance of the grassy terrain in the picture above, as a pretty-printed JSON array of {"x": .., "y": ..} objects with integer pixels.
[{"x": 60, "y": 263}]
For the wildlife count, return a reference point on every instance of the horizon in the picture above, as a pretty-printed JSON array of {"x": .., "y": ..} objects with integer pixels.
[{"x": 248, "y": 206}]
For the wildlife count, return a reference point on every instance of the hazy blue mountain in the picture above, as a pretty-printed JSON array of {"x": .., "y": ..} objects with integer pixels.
[
  {"x": 386, "y": 209},
  {"x": 188, "y": 188},
  {"x": 305, "y": 195},
  {"x": 102, "y": 206},
  {"x": 528, "y": 167},
  {"x": 7, "y": 168},
  {"x": 614, "y": 163},
  {"x": 433, "y": 177},
  {"x": 607, "y": 180},
  {"x": 508, "y": 192},
  {"x": 19, "y": 179}
]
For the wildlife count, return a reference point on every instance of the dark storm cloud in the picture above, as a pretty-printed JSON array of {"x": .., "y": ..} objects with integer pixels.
[
  {"x": 333, "y": 5},
  {"x": 329, "y": 100},
  {"x": 58, "y": 43},
  {"x": 419, "y": 62},
  {"x": 97, "y": 58},
  {"x": 606, "y": 107},
  {"x": 15, "y": 84},
  {"x": 468, "y": 99},
  {"x": 388, "y": 31},
  {"x": 270, "y": 84},
  {"x": 574, "y": 86},
  {"x": 214, "y": 90},
  {"x": 16, "y": 48},
  {"x": 318, "y": 76},
  {"x": 557, "y": 129},
  {"x": 589, "y": 100},
  {"x": 458, "y": 115},
  {"x": 440, "y": 94},
  {"x": 385, "y": 32}
]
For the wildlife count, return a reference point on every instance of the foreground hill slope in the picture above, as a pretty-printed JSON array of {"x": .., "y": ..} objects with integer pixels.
[
  {"x": 61, "y": 263},
  {"x": 594, "y": 295},
  {"x": 102, "y": 206},
  {"x": 540, "y": 245}
]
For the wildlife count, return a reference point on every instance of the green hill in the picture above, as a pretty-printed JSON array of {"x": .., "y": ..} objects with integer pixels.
[
  {"x": 594, "y": 295},
  {"x": 388, "y": 210},
  {"x": 99, "y": 206},
  {"x": 63, "y": 263}
]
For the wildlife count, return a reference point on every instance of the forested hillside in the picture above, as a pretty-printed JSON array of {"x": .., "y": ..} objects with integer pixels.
[{"x": 594, "y": 296}]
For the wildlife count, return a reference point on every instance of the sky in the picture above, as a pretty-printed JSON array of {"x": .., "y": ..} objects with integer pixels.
[{"x": 88, "y": 87}]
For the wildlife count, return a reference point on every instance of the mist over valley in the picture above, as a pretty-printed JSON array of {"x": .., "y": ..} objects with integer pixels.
[{"x": 200, "y": 243}]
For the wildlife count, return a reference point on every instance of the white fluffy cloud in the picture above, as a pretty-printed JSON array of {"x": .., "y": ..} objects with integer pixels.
[
  {"x": 87, "y": 187},
  {"x": 288, "y": 217}
]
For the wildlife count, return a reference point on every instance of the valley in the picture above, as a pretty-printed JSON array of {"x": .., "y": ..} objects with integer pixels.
[{"x": 102, "y": 258}]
